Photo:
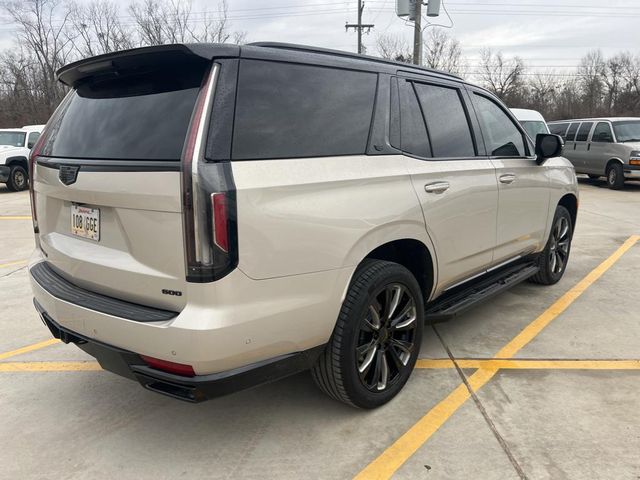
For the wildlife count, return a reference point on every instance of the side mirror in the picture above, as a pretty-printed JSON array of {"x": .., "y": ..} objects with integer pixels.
[
  {"x": 547, "y": 146},
  {"x": 30, "y": 145}
]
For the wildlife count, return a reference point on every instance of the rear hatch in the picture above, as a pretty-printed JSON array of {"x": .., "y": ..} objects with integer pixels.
[{"x": 107, "y": 181}]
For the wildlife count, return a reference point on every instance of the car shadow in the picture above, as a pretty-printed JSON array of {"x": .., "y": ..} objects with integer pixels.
[{"x": 601, "y": 183}]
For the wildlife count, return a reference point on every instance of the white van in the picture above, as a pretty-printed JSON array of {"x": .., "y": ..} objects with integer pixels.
[{"x": 532, "y": 121}]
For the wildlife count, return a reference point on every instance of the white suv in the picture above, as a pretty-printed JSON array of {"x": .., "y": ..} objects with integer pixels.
[
  {"x": 212, "y": 217},
  {"x": 15, "y": 144}
]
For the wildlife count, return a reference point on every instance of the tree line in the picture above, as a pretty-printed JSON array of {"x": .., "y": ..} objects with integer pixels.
[
  {"x": 599, "y": 86},
  {"x": 51, "y": 33}
]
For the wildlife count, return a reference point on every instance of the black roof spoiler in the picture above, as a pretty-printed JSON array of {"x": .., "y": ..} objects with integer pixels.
[{"x": 167, "y": 56}]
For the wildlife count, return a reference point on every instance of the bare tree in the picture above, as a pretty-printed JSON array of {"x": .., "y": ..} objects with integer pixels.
[
  {"x": 171, "y": 21},
  {"x": 442, "y": 52},
  {"x": 502, "y": 76},
  {"x": 43, "y": 31},
  {"x": 98, "y": 26},
  {"x": 591, "y": 71},
  {"x": 393, "y": 47}
]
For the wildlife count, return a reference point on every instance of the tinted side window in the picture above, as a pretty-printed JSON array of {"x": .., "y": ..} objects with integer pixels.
[
  {"x": 571, "y": 133},
  {"x": 447, "y": 122},
  {"x": 583, "y": 131},
  {"x": 501, "y": 136},
  {"x": 290, "y": 110},
  {"x": 602, "y": 133},
  {"x": 414, "y": 138},
  {"x": 559, "y": 129}
]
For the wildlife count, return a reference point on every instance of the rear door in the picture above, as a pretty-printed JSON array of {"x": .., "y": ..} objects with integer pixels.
[
  {"x": 582, "y": 146},
  {"x": 570, "y": 145},
  {"x": 108, "y": 183},
  {"x": 523, "y": 185},
  {"x": 455, "y": 184},
  {"x": 601, "y": 149}
]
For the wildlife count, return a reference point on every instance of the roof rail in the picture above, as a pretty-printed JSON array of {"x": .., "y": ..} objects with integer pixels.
[{"x": 355, "y": 56}]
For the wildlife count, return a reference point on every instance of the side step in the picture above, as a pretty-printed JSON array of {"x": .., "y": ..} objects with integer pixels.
[{"x": 466, "y": 296}]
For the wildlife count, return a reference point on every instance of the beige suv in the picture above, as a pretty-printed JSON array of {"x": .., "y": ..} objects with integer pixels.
[{"x": 212, "y": 217}]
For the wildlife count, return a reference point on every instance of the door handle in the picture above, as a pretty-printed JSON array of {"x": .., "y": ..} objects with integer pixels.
[
  {"x": 588, "y": 147},
  {"x": 507, "y": 178},
  {"x": 437, "y": 187}
]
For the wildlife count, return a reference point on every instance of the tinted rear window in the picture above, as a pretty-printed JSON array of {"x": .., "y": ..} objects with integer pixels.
[
  {"x": 583, "y": 132},
  {"x": 291, "y": 110},
  {"x": 571, "y": 133},
  {"x": 143, "y": 117},
  {"x": 447, "y": 122},
  {"x": 559, "y": 128}
]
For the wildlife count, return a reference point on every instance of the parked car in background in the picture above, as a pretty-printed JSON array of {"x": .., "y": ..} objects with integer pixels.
[
  {"x": 15, "y": 144},
  {"x": 599, "y": 147},
  {"x": 287, "y": 208},
  {"x": 532, "y": 121}
]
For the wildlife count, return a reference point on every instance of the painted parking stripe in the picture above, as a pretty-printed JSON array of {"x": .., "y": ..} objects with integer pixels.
[
  {"x": 49, "y": 366},
  {"x": 15, "y": 217},
  {"x": 504, "y": 364},
  {"x": 389, "y": 461},
  {"x": 14, "y": 263},
  {"x": 29, "y": 348}
]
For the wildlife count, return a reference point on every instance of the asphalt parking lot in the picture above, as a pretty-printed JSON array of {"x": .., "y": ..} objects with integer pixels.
[{"x": 541, "y": 382}]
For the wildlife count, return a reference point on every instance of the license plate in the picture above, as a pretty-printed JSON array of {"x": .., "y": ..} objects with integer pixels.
[{"x": 85, "y": 222}]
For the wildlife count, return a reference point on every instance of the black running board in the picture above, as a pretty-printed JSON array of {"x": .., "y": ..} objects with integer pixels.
[{"x": 466, "y": 296}]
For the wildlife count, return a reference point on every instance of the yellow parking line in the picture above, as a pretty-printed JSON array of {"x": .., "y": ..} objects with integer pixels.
[
  {"x": 11, "y": 264},
  {"x": 15, "y": 217},
  {"x": 48, "y": 366},
  {"x": 505, "y": 364},
  {"x": 28, "y": 348},
  {"x": 389, "y": 461}
]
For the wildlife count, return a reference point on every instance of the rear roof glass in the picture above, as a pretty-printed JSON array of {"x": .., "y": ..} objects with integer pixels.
[{"x": 139, "y": 117}]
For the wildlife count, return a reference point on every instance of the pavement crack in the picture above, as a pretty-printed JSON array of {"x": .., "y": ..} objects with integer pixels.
[
  {"x": 503, "y": 444},
  {"x": 13, "y": 271}
]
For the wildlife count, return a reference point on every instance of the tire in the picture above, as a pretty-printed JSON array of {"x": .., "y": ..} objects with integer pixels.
[
  {"x": 555, "y": 256},
  {"x": 374, "y": 375},
  {"x": 593, "y": 176},
  {"x": 18, "y": 179},
  {"x": 615, "y": 176}
]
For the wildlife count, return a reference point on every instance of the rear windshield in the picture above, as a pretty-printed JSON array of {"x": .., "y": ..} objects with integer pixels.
[
  {"x": 627, "y": 131},
  {"x": 142, "y": 117},
  {"x": 15, "y": 139}
]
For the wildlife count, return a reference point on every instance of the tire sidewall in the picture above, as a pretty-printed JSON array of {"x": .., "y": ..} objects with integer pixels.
[
  {"x": 359, "y": 394},
  {"x": 618, "y": 180},
  {"x": 554, "y": 278},
  {"x": 12, "y": 184}
]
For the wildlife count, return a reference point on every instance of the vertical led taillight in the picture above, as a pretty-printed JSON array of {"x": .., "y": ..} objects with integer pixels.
[{"x": 208, "y": 197}]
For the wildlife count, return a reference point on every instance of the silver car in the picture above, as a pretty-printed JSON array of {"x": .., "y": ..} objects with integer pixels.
[{"x": 599, "y": 147}]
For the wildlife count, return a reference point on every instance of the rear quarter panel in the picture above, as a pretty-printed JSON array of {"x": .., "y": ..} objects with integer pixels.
[{"x": 299, "y": 216}]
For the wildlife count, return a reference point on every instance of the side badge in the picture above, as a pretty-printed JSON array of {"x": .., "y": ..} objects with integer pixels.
[{"x": 68, "y": 174}]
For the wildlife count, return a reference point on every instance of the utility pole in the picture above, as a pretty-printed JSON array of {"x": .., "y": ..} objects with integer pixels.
[
  {"x": 359, "y": 26},
  {"x": 417, "y": 34}
]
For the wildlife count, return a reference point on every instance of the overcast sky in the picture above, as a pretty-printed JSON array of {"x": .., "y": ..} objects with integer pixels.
[{"x": 547, "y": 34}]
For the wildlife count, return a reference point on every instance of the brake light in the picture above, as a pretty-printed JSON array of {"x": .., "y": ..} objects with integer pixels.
[
  {"x": 35, "y": 152},
  {"x": 220, "y": 220},
  {"x": 208, "y": 199},
  {"x": 169, "y": 367}
]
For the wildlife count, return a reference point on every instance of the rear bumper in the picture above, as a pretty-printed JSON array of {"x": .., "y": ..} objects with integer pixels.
[
  {"x": 191, "y": 389},
  {"x": 4, "y": 173}
]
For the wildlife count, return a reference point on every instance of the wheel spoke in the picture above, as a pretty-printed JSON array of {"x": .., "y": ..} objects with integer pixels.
[
  {"x": 564, "y": 228},
  {"x": 398, "y": 360},
  {"x": 369, "y": 353},
  {"x": 553, "y": 261},
  {"x": 559, "y": 262},
  {"x": 374, "y": 322},
  {"x": 383, "y": 371},
  {"x": 563, "y": 246},
  {"x": 393, "y": 298},
  {"x": 406, "y": 317}
]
